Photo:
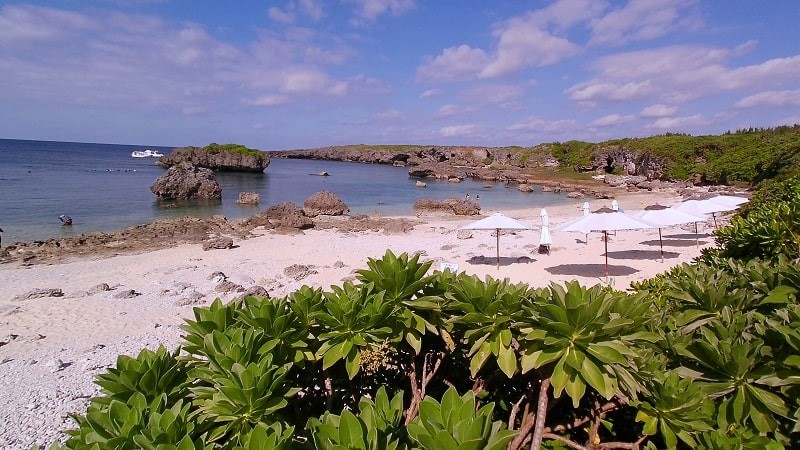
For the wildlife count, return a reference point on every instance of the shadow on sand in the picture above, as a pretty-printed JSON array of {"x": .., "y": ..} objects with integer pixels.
[
  {"x": 641, "y": 254},
  {"x": 504, "y": 260},
  {"x": 688, "y": 236},
  {"x": 591, "y": 270},
  {"x": 675, "y": 242}
]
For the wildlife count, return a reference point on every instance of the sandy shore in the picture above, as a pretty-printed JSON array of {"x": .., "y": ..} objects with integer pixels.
[{"x": 52, "y": 347}]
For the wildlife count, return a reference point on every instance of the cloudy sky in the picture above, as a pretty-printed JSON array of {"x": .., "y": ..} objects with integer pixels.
[{"x": 309, "y": 73}]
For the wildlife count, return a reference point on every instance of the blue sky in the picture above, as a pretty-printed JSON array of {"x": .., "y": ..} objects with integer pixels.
[{"x": 310, "y": 73}]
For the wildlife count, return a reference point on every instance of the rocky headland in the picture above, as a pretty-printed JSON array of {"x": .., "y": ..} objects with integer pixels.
[
  {"x": 219, "y": 157},
  {"x": 613, "y": 166}
]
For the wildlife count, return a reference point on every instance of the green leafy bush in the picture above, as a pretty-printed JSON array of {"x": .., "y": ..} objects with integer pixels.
[{"x": 705, "y": 356}]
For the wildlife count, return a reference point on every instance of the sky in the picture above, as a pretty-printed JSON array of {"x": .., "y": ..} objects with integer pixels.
[{"x": 292, "y": 74}]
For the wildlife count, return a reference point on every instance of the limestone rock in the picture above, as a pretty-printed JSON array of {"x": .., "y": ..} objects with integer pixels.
[
  {"x": 575, "y": 194},
  {"x": 420, "y": 184},
  {"x": 229, "y": 158},
  {"x": 324, "y": 203},
  {"x": 525, "y": 188},
  {"x": 102, "y": 287},
  {"x": 299, "y": 271},
  {"x": 187, "y": 182},
  {"x": 248, "y": 198},
  {"x": 39, "y": 293},
  {"x": 288, "y": 215},
  {"x": 222, "y": 242},
  {"x": 457, "y": 206},
  {"x": 128, "y": 293}
]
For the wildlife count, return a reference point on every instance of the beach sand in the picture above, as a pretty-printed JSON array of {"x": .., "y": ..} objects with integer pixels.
[{"x": 53, "y": 347}]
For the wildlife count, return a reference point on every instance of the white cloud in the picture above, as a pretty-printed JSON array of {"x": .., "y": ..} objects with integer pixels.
[
  {"x": 564, "y": 14},
  {"x": 658, "y": 110},
  {"x": 280, "y": 15},
  {"x": 67, "y": 58},
  {"x": 523, "y": 45},
  {"x": 543, "y": 125},
  {"x": 642, "y": 20},
  {"x": 268, "y": 100},
  {"x": 388, "y": 115},
  {"x": 451, "y": 110},
  {"x": 612, "y": 120},
  {"x": 533, "y": 39},
  {"x": 308, "y": 8},
  {"x": 30, "y": 24},
  {"x": 678, "y": 74},
  {"x": 495, "y": 93},
  {"x": 457, "y": 130},
  {"x": 678, "y": 123},
  {"x": 430, "y": 93},
  {"x": 312, "y": 8},
  {"x": 454, "y": 63},
  {"x": 771, "y": 98},
  {"x": 372, "y": 9},
  {"x": 592, "y": 91}
]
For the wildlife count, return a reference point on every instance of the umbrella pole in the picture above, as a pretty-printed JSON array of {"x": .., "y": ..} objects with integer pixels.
[
  {"x": 661, "y": 243},
  {"x": 605, "y": 239},
  {"x": 713, "y": 216},
  {"x": 696, "y": 236},
  {"x": 498, "y": 249}
]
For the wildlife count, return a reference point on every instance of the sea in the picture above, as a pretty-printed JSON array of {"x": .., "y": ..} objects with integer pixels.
[{"x": 103, "y": 188}]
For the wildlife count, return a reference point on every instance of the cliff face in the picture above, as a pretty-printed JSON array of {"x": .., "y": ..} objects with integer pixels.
[
  {"x": 507, "y": 164},
  {"x": 218, "y": 158}
]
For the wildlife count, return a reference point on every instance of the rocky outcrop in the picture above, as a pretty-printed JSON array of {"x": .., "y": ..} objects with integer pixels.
[
  {"x": 457, "y": 206},
  {"x": 186, "y": 181},
  {"x": 324, "y": 203},
  {"x": 288, "y": 215},
  {"x": 228, "y": 157},
  {"x": 167, "y": 233},
  {"x": 218, "y": 243},
  {"x": 248, "y": 198}
]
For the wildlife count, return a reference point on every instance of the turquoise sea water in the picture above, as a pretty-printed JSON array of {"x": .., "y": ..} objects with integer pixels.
[{"x": 103, "y": 188}]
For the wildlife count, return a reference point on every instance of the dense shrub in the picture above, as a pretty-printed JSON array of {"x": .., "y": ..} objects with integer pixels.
[{"x": 704, "y": 356}]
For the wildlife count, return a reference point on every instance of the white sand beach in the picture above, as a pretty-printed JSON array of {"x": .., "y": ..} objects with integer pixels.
[{"x": 53, "y": 347}]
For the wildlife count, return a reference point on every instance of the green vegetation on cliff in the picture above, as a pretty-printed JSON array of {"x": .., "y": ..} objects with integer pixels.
[
  {"x": 215, "y": 148},
  {"x": 745, "y": 156},
  {"x": 742, "y": 157}
]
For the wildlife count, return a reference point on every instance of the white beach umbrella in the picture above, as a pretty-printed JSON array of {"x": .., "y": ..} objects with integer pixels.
[
  {"x": 730, "y": 200},
  {"x": 708, "y": 206},
  {"x": 663, "y": 217},
  {"x": 497, "y": 222},
  {"x": 604, "y": 222},
  {"x": 544, "y": 237},
  {"x": 586, "y": 209}
]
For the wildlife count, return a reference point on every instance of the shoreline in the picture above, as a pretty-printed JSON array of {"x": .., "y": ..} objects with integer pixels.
[{"x": 52, "y": 346}]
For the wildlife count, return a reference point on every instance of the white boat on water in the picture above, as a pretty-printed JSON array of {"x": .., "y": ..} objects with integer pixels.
[{"x": 147, "y": 153}]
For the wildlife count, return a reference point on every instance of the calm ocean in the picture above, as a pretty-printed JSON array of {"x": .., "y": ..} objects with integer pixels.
[{"x": 103, "y": 188}]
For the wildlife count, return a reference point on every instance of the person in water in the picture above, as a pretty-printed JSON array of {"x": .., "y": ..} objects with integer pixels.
[{"x": 65, "y": 219}]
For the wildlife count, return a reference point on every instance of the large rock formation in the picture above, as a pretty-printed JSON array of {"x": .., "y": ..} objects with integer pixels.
[
  {"x": 324, "y": 203},
  {"x": 227, "y": 157},
  {"x": 186, "y": 181},
  {"x": 288, "y": 215}
]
